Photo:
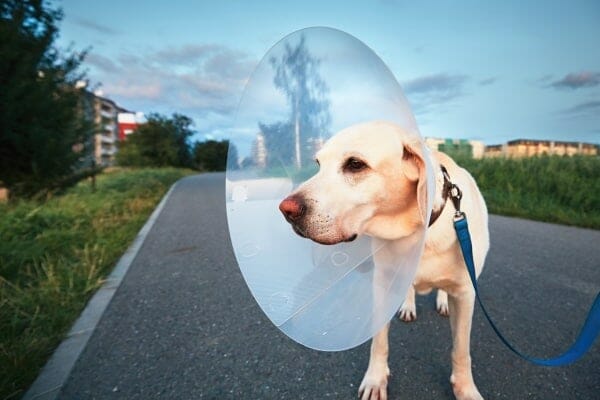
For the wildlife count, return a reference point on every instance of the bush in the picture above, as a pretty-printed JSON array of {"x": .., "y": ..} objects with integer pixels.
[{"x": 557, "y": 189}]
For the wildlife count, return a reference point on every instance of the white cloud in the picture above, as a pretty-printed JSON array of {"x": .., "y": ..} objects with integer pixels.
[
  {"x": 431, "y": 92},
  {"x": 203, "y": 81}
]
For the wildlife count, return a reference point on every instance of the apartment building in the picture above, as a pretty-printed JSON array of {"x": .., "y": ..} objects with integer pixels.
[
  {"x": 530, "y": 148},
  {"x": 112, "y": 124},
  {"x": 103, "y": 113}
]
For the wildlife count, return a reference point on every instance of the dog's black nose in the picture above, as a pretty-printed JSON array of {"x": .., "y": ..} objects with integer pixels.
[{"x": 293, "y": 208}]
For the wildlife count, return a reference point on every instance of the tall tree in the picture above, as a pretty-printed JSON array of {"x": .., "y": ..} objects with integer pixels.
[
  {"x": 160, "y": 142},
  {"x": 41, "y": 121},
  {"x": 297, "y": 76}
]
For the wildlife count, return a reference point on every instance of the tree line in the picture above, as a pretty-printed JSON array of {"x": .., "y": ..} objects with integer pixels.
[
  {"x": 165, "y": 141},
  {"x": 45, "y": 135}
]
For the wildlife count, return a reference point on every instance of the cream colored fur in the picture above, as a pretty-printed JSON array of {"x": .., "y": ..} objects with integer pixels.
[{"x": 387, "y": 200}]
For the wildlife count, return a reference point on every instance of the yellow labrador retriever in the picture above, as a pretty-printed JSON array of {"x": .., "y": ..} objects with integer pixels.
[{"x": 371, "y": 181}]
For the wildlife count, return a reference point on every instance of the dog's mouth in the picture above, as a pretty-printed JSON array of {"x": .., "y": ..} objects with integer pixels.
[
  {"x": 299, "y": 231},
  {"x": 302, "y": 233},
  {"x": 351, "y": 238}
]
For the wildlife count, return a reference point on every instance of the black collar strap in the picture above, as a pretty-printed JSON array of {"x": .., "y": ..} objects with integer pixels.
[{"x": 446, "y": 189}]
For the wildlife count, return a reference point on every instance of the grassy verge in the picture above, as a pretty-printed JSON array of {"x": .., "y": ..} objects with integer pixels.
[
  {"x": 563, "y": 190},
  {"x": 53, "y": 255}
]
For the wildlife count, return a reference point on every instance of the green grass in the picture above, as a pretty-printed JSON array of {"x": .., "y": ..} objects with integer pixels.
[
  {"x": 564, "y": 190},
  {"x": 54, "y": 255}
]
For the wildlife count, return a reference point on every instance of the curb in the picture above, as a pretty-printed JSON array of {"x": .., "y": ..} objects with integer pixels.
[{"x": 54, "y": 374}]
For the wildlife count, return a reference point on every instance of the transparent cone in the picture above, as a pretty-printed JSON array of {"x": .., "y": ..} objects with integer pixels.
[{"x": 310, "y": 86}]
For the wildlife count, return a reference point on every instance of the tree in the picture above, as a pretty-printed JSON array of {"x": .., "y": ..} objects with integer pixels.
[
  {"x": 297, "y": 76},
  {"x": 160, "y": 142},
  {"x": 41, "y": 121},
  {"x": 212, "y": 155}
]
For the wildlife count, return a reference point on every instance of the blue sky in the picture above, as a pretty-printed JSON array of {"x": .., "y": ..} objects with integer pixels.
[{"x": 491, "y": 71}]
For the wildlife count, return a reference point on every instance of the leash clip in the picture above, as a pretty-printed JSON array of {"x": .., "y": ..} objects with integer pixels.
[
  {"x": 456, "y": 196},
  {"x": 459, "y": 215}
]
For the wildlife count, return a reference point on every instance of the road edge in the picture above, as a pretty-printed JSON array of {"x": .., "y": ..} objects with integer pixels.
[{"x": 57, "y": 369}]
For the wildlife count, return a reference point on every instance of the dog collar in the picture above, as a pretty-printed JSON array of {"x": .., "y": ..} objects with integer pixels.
[{"x": 446, "y": 188}]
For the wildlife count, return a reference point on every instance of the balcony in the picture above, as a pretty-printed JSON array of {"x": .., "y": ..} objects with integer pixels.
[
  {"x": 107, "y": 139},
  {"x": 108, "y": 113},
  {"x": 108, "y": 151}
]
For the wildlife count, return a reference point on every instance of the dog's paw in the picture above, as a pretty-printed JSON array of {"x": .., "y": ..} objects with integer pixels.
[
  {"x": 441, "y": 303},
  {"x": 465, "y": 390},
  {"x": 374, "y": 384},
  {"x": 408, "y": 312},
  {"x": 467, "y": 394}
]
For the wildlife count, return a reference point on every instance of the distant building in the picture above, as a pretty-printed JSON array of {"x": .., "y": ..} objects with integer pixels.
[
  {"x": 259, "y": 151},
  {"x": 102, "y": 112},
  {"x": 111, "y": 124},
  {"x": 530, "y": 148},
  {"x": 496, "y": 150},
  {"x": 128, "y": 122},
  {"x": 470, "y": 148}
]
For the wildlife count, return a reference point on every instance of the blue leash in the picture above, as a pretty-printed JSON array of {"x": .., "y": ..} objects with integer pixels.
[
  {"x": 587, "y": 335},
  {"x": 591, "y": 327}
]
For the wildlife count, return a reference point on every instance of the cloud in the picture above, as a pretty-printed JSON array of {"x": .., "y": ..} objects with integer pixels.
[
  {"x": 577, "y": 80},
  {"x": 488, "y": 81},
  {"x": 543, "y": 80},
  {"x": 102, "y": 63},
  {"x": 435, "y": 83},
  {"x": 430, "y": 92},
  {"x": 203, "y": 81},
  {"x": 587, "y": 107},
  {"x": 187, "y": 54},
  {"x": 94, "y": 26},
  {"x": 129, "y": 90}
]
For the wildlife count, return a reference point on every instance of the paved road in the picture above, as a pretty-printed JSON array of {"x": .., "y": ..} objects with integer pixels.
[{"x": 183, "y": 325}]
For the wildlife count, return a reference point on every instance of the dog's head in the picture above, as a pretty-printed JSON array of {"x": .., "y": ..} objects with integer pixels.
[{"x": 371, "y": 180}]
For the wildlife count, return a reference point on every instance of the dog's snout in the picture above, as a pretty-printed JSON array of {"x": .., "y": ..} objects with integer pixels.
[{"x": 293, "y": 208}]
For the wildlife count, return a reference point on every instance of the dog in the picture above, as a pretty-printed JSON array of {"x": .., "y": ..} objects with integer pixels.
[{"x": 372, "y": 181}]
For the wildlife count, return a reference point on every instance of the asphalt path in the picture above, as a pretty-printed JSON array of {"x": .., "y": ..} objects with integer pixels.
[{"x": 183, "y": 324}]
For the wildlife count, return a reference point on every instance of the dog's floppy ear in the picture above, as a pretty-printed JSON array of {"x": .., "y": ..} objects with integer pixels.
[{"x": 415, "y": 170}]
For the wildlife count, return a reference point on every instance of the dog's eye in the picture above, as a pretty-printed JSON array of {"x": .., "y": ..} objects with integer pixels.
[{"x": 354, "y": 165}]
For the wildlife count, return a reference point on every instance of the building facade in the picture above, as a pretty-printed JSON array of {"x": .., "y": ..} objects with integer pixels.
[
  {"x": 259, "y": 151},
  {"x": 127, "y": 123},
  {"x": 530, "y": 148},
  {"x": 102, "y": 112},
  {"x": 111, "y": 125}
]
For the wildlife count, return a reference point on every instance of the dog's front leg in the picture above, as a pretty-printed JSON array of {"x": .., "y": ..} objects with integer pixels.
[
  {"x": 461, "y": 313},
  {"x": 374, "y": 384}
]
